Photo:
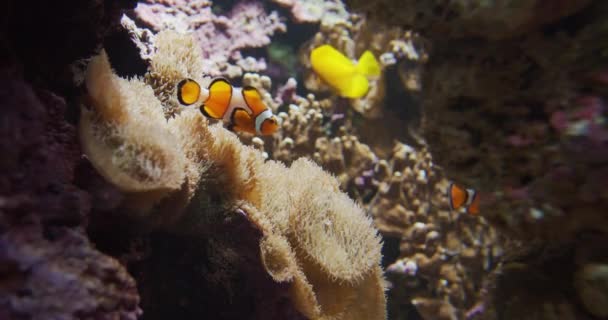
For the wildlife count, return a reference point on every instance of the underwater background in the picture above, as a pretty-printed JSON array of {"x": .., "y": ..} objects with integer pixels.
[{"x": 387, "y": 159}]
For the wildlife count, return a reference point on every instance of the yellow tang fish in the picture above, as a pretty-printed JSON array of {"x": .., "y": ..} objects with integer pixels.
[
  {"x": 348, "y": 78},
  {"x": 241, "y": 108}
]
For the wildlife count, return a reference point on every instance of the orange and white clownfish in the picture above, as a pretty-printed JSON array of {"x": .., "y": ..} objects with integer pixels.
[
  {"x": 241, "y": 108},
  {"x": 462, "y": 197}
]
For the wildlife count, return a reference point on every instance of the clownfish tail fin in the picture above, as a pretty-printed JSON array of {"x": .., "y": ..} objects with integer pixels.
[
  {"x": 368, "y": 65},
  {"x": 473, "y": 208}
]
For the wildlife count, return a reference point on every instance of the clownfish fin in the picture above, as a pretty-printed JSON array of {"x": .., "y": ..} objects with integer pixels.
[
  {"x": 253, "y": 99},
  {"x": 188, "y": 91},
  {"x": 339, "y": 72},
  {"x": 242, "y": 121},
  {"x": 368, "y": 65},
  {"x": 473, "y": 208},
  {"x": 218, "y": 101},
  {"x": 457, "y": 196}
]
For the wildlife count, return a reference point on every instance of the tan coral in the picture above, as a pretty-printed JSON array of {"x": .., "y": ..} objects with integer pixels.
[
  {"x": 313, "y": 235},
  {"x": 449, "y": 249},
  {"x": 124, "y": 134},
  {"x": 177, "y": 57}
]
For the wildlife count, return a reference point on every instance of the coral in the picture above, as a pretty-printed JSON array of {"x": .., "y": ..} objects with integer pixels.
[
  {"x": 135, "y": 158},
  {"x": 325, "y": 12},
  {"x": 455, "y": 19},
  {"x": 50, "y": 269},
  {"x": 504, "y": 116},
  {"x": 532, "y": 108},
  {"x": 312, "y": 237},
  {"x": 385, "y": 110},
  {"x": 220, "y": 37},
  {"x": 44, "y": 274},
  {"x": 443, "y": 254},
  {"x": 405, "y": 194},
  {"x": 513, "y": 98},
  {"x": 45, "y": 255}
]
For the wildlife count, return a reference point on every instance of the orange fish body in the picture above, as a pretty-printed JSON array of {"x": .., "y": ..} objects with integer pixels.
[
  {"x": 241, "y": 108},
  {"x": 461, "y": 197}
]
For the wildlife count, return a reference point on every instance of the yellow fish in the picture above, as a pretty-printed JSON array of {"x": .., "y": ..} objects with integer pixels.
[
  {"x": 337, "y": 70},
  {"x": 241, "y": 108}
]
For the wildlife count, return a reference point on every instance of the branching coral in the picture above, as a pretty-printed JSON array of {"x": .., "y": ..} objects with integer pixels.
[
  {"x": 443, "y": 254},
  {"x": 193, "y": 175}
]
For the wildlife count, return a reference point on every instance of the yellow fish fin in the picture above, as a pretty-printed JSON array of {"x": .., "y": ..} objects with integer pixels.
[
  {"x": 368, "y": 65},
  {"x": 188, "y": 91},
  {"x": 220, "y": 94},
  {"x": 338, "y": 71}
]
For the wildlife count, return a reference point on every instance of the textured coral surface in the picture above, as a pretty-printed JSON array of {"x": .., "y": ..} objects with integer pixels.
[{"x": 513, "y": 99}]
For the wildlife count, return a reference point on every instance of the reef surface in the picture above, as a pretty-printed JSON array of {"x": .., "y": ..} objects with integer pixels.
[{"x": 117, "y": 202}]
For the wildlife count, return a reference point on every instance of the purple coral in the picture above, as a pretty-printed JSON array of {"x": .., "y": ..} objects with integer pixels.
[{"x": 220, "y": 37}]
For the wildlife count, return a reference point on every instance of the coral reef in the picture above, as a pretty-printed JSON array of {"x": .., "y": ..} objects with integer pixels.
[
  {"x": 43, "y": 274},
  {"x": 514, "y": 105},
  {"x": 325, "y": 12},
  {"x": 189, "y": 176},
  {"x": 456, "y": 19},
  {"x": 45, "y": 256},
  {"x": 444, "y": 254},
  {"x": 50, "y": 270},
  {"x": 159, "y": 182},
  {"x": 220, "y": 37},
  {"x": 531, "y": 107}
]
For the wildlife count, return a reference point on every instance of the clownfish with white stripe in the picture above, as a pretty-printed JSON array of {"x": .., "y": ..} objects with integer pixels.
[
  {"x": 241, "y": 108},
  {"x": 461, "y": 197}
]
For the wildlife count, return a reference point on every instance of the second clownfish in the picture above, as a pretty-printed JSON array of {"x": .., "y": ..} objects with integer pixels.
[
  {"x": 461, "y": 197},
  {"x": 241, "y": 108}
]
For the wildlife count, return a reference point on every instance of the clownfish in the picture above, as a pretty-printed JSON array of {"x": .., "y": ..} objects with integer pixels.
[
  {"x": 461, "y": 197},
  {"x": 241, "y": 108},
  {"x": 350, "y": 80}
]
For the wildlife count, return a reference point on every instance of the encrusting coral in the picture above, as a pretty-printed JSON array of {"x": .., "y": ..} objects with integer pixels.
[{"x": 178, "y": 169}]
